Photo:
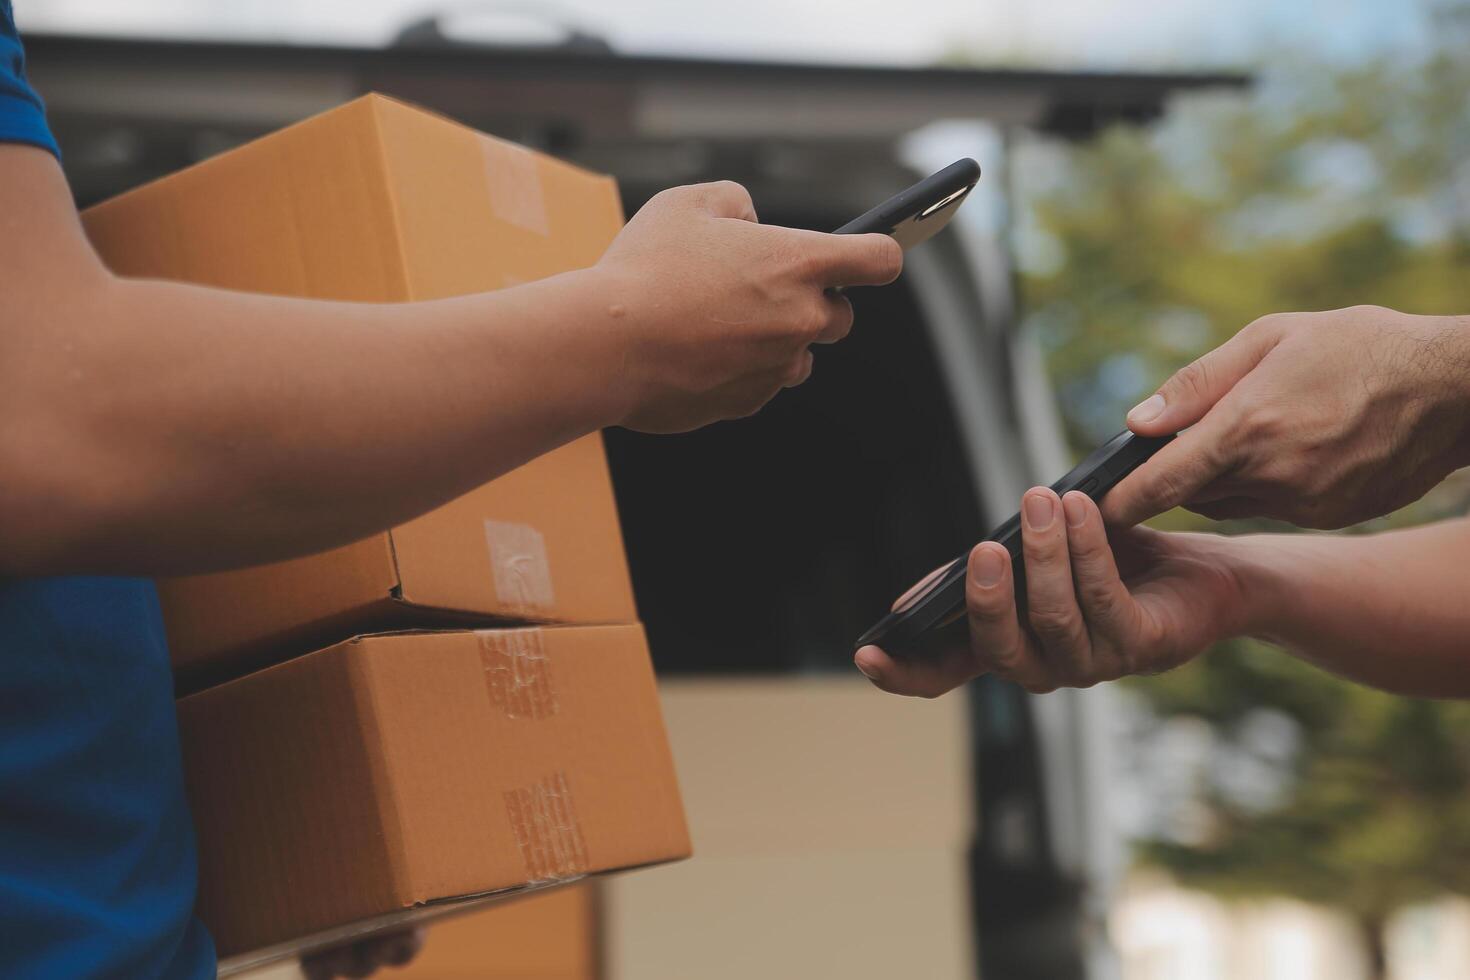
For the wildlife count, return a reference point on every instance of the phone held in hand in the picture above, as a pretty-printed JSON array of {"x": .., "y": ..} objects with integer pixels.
[
  {"x": 918, "y": 213},
  {"x": 942, "y": 601}
]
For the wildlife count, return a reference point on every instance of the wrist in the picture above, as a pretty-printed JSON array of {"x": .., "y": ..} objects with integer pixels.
[
  {"x": 602, "y": 342},
  {"x": 1457, "y": 330},
  {"x": 1448, "y": 344},
  {"x": 609, "y": 298},
  {"x": 1254, "y": 565}
]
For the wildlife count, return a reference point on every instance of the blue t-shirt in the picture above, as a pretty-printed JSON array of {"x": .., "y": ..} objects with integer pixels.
[{"x": 97, "y": 864}]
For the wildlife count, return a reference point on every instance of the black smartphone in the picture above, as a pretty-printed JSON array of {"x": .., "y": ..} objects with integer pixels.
[
  {"x": 942, "y": 601},
  {"x": 915, "y": 215}
]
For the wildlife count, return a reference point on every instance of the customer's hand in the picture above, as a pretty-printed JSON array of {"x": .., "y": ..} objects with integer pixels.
[
  {"x": 721, "y": 311},
  {"x": 363, "y": 959},
  {"x": 1086, "y": 622},
  {"x": 1321, "y": 419}
]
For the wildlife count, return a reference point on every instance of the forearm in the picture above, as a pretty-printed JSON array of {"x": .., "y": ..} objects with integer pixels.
[
  {"x": 1391, "y": 610},
  {"x": 162, "y": 428}
]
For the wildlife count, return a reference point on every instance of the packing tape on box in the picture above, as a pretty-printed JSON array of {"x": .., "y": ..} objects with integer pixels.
[
  {"x": 515, "y": 185},
  {"x": 518, "y": 673},
  {"x": 544, "y": 820},
  {"x": 522, "y": 573}
]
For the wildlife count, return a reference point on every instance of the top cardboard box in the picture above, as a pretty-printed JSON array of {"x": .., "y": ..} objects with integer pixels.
[{"x": 380, "y": 202}]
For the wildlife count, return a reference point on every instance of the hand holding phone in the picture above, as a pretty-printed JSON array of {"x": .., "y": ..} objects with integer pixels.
[{"x": 942, "y": 600}]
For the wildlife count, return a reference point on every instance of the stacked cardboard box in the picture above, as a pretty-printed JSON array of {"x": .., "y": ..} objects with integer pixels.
[{"x": 471, "y": 753}]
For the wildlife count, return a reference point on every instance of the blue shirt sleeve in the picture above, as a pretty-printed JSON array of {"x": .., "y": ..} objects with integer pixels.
[{"x": 22, "y": 116}]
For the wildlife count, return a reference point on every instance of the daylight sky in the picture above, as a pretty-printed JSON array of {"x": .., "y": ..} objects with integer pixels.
[{"x": 1072, "y": 33}]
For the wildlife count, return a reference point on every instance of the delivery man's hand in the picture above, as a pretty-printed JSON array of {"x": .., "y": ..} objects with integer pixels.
[
  {"x": 1321, "y": 419},
  {"x": 1086, "y": 622},
  {"x": 720, "y": 311},
  {"x": 363, "y": 959}
]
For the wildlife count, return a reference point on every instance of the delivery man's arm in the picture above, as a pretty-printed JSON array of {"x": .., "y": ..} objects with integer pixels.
[{"x": 153, "y": 427}]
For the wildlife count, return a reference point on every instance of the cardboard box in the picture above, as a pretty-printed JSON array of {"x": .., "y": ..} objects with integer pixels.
[
  {"x": 832, "y": 824},
  {"x": 399, "y": 777},
  {"x": 380, "y": 202},
  {"x": 550, "y": 936}
]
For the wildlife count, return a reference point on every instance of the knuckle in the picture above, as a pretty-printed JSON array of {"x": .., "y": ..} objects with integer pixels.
[
  {"x": 887, "y": 255},
  {"x": 1268, "y": 324},
  {"x": 804, "y": 264},
  {"x": 1098, "y": 599},
  {"x": 1168, "y": 490},
  {"x": 727, "y": 196},
  {"x": 839, "y": 318},
  {"x": 1263, "y": 423},
  {"x": 809, "y": 321},
  {"x": 1004, "y": 661},
  {"x": 1194, "y": 378},
  {"x": 787, "y": 259},
  {"x": 731, "y": 191},
  {"x": 1054, "y": 626},
  {"x": 1043, "y": 550},
  {"x": 1039, "y": 685},
  {"x": 671, "y": 197}
]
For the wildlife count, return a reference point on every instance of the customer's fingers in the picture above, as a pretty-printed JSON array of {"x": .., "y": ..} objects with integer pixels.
[
  {"x": 1050, "y": 595},
  {"x": 998, "y": 644},
  {"x": 1107, "y": 607}
]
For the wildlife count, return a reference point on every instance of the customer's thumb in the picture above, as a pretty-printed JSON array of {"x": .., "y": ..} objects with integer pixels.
[{"x": 1195, "y": 388}]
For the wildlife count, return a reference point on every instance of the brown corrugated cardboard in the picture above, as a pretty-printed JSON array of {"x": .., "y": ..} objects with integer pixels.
[
  {"x": 396, "y": 777},
  {"x": 380, "y": 202},
  {"x": 832, "y": 824},
  {"x": 551, "y": 936}
]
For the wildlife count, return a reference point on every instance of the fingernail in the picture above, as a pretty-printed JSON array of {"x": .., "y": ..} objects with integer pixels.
[
  {"x": 1075, "y": 508},
  {"x": 989, "y": 567},
  {"x": 1039, "y": 511},
  {"x": 868, "y": 670},
  {"x": 1147, "y": 410}
]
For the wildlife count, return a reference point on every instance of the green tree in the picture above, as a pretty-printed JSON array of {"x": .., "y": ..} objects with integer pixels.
[{"x": 1324, "y": 187}]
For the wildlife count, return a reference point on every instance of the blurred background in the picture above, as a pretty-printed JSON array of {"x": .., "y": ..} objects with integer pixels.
[{"x": 1157, "y": 174}]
